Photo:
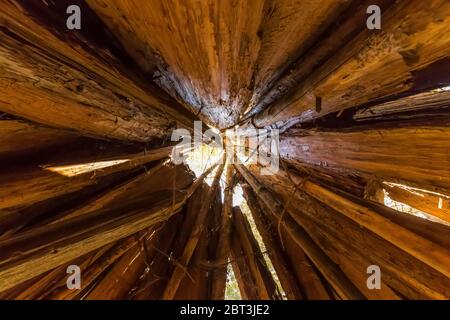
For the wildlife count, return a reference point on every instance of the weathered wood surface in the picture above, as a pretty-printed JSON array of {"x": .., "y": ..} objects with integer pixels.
[
  {"x": 349, "y": 23},
  {"x": 20, "y": 138},
  {"x": 45, "y": 247},
  {"x": 432, "y": 103},
  {"x": 421, "y": 279},
  {"x": 331, "y": 271},
  {"x": 91, "y": 273},
  {"x": 37, "y": 184},
  {"x": 431, "y": 253},
  {"x": 200, "y": 279},
  {"x": 223, "y": 245},
  {"x": 277, "y": 254},
  {"x": 199, "y": 226},
  {"x": 412, "y": 155},
  {"x": 239, "y": 262},
  {"x": 48, "y": 74},
  {"x": 405, "y": 55},
  {"x": 241, "y": 45},
  {"x": 436, "y": 205},
  {"x": 153, "y": 280},
  {"x": 266, "y": 288}
]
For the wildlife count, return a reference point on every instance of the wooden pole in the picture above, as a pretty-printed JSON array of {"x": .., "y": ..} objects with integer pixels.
[
  {"x": 275, "y": 251},
  {"x": 179, "y": 272},
  {"x": 327, "y": 267},
  {"x": 265, "y": 285},
  {"x": 407, "y": 275},
  {"x": 223, "y": 246}
]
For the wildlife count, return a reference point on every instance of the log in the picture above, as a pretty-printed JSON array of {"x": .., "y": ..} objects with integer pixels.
[
  {"x": 45, "y": 247},
  {"x": 425, "y": 104},
  {"x": 266, "y": 288},
  {"x": 44, "y": 184},
  {"x": 350, "y": 22},
  {"x": 223, "y": 246},
  {"x": 49, "y": 74},
  {"x": 240, "y": 264},
  {"x": 179, "y": 273},
  {"x": 277, "y": 255},
  {"x": 404, "y": 271},
  {"x": 326, "y": 266},
  {"x": 410, "y": 53},
  {"x": 437, "y": 205},
  {"x": 415, "y": 155}
]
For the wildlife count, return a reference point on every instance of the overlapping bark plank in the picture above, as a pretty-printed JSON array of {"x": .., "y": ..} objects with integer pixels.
[
  {"x": 241, "y": 45},
  {"x": 307, "y": 275},
  {"x": 404, "y": 270},
  {"x": 415, "y": 155},
  {"x": 48, "y": 246},
  {"x": 197, "y": 284},
  {"x": 277, "y": 255},
  {"x": 410, "y": 52},
  {"x": 351, "y": 19},
  {"x": 332, "y": 273},
  {"x": 210, "y": 59},
  {"x": 304, "y": 19},
  {"x": 48, "y": 73},
  {"x": 223, "y": 245},
  {"x": 432, "y": 103},
  {"x": 41, "y": 184},
  {"x": 157, "y": 271},
  {"x": 437, "y": 205},
  {"x": 179, "y": 272},
  {"x": 239, "y": 261},
  {"x": 20, "y": 138},
  {"x": 91, "y": 273},
  {"x": 266, "y": 288}
]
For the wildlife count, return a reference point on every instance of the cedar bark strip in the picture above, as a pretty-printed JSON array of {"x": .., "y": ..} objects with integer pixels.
[
  {"x": 45, "y": 247},
  {"x": 21, "y": 138},
  {"x": 276, "y": 253},
  {"x": 110, "y": 196},
  {"x": 223, "y": 246},
  {"x": 124, "y": 273},
  {"x": 419, "y": 247},
  {"x": 43, "y": 184},
  {"x": 240, "y": 264},
  {"x": 414, "y": 106},
  {"x": 47, "y": 76},
  {"x": 409, "y": 53},
  {"x": 434, "y": 204},
  {"x": 327, "y": 267},
  {"x": 352, "y": 20},
  {"x": 179, "y": 272},
  {"x": 198, "y": 285},
  {"x": 407, "y": 275},
  {"x": 159, "y": 265},
  {"x": 265, "y": 285},
  {"x": 415, "y": 155},
  {"x": 243, "y": 43},
  {"x": 90, "y": 274},
  {"x": 307, "y": 275}
]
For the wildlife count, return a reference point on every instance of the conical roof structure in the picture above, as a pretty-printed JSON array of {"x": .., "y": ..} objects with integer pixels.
[{"x": 215, "y": 149}]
